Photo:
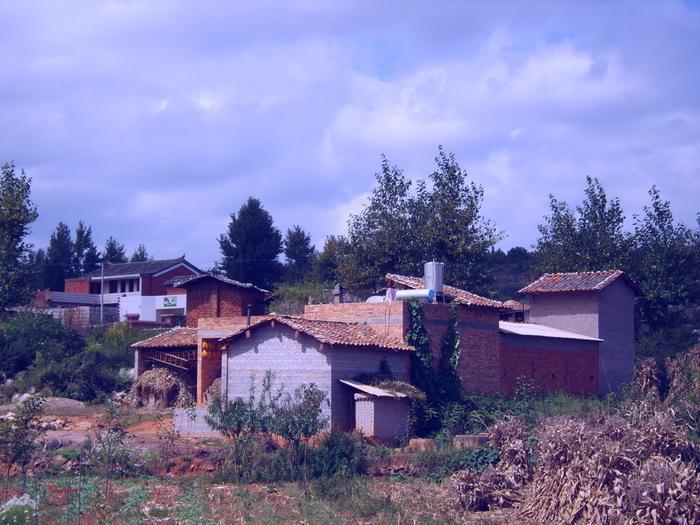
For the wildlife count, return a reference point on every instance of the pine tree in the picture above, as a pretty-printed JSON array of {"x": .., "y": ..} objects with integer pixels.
[
  {"x": 251, "y": 245},
  {"x": 299, "y": 254},
  {"x": 59, "y": 258},
  {"x": 140, "y": 254},
  {"x": 85, "y": 256},
  {"x": 114, "y": 252}
]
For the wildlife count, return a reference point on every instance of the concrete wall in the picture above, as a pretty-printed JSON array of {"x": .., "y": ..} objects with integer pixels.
[
  {"x": 616, "y": 328},
  {"x": 556, "y": 365},
  {"x": 383, "y": 418},
  {"x": 301, "y": 361},
  {"x": 572, "y": 311}
]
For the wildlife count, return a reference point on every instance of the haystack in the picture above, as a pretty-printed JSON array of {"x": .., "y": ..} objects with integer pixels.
[{"x": 159, "y": 388}]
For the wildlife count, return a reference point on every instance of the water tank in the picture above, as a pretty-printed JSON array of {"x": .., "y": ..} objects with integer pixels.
[
  {"x": 421, "y": 294},
  {"x": 432, "y": 276}
]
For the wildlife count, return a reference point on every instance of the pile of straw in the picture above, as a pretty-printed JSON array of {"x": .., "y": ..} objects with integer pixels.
[{"x": 159, "y": 388}]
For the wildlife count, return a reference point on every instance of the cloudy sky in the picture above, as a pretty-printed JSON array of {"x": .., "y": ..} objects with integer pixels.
[{"x": 152, "y": 121}]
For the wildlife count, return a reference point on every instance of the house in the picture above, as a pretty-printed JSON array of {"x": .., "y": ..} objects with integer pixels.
[
  {"x": 595, "y": 304},
  {"x": 138, "y": 289},
  {"x": 332, "y": 344}
]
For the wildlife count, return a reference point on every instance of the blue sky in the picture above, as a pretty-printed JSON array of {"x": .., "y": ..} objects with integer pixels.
[{"x": 153, "y": 121}]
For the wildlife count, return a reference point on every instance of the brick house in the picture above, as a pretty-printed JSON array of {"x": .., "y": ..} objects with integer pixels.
[
  {"x": 595, "y": 304},
  {"x": 140, "y": 290}
]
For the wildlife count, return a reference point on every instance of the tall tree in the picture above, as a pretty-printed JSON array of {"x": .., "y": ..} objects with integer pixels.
[
  {"x": 140, "y": 254},
  {"x": 591, "y": 238},
  {"x": 59, "y": 257},
  {"x": 453, "y": 229},
  {"x": 399, "y": 230},
  {"x": 379, "y": 238},
  {"x": 325, "y": 268},
  {"x": 665, "y": 263},
  {"x": 299, "y": 254},
  {"x": 17, "y": 212},
  {"x": 114, "y": 252},
  {"x": 251, "y": 245},
  {"x": 85, "y": 255}
]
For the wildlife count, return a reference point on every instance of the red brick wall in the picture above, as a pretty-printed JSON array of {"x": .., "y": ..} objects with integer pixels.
[
  {"x": 77, "y": 285},
  {"x": 384, "y": 318},
  {"x": 154, "y": 285},
  {"x": 556, "y": 365},
  {"x": 210, "y": 298}
]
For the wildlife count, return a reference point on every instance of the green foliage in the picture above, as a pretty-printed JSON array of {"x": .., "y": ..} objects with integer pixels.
[
  {"x": 59, "y": 258},
  {"x": 85, "y": 255},
  {"x": 591, "y": 238},
  {"x": 251, "y": 245},
  {"x": 666, "y": 264},
  {"x": 448, "y": 380},
  {"x": 291, "y": 298},
  {"x": 26, "y": 336},
  {"x": 512, "y": 270},
  {"x": 140, "y": 254},
  {"x": 299, "y": 254},
  {"x": 436, "y": 465},
  {"x": 399, "y": 229},
  {"x": 43, "y": 353},
  {"x": 18, "y": 511},
  {"x": 17, "y": 212},
  {"x": 325, "y": 267},
  {"x": 18, "y": 436},
  {"x": 114, "y": 252},
  {"x": 422, "y": 359},
  {"x": 338, "y": 454}
]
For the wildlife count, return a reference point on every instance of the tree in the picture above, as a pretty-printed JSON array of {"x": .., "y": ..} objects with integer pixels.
[
  {"x": 17, "y": 212},
  {"x": 325, "y": 268},
  {"x": 140, "y": 254},
  {"x": 251, "y": 245},
  {"x": 114, "y": 252},
  {"x": 85, "y": 255},
  {"x": 452, "y": 229},
  {"x": 665, "y": 263},
  {"x": 399, "y": 230},
  {"x": 379, "y": 238},
  {"x": 299, "y": 254},
  {"x": 590, "y": 239},
  {"x": 59, "y": 258}
]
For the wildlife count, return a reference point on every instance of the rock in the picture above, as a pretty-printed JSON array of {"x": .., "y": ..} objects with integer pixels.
[
  {"x": 470, "y": 440},
  {"x": 418, "y": 444},
  {"x": 24, "y": 397},
  {"x": 53, "y": 403},
  {"x": 53, "y": 444},
  {"x": 15, "y": 398}
]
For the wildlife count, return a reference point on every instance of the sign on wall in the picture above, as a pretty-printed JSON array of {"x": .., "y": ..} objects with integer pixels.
[{"x": 169, "y": 302}]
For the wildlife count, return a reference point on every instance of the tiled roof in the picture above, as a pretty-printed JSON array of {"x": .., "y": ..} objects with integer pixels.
[
  {"x": 178, "y": 337},
  {"x": 138, "y": 268},
  {"x": 577, "y": 282},
  {"x": 184, "y": 280},
  {"x": 456, "y": 294},
  {"x": 330, "y": 332}
]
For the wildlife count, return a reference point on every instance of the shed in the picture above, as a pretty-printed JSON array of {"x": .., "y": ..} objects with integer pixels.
[{"x": 379, "y": 412}]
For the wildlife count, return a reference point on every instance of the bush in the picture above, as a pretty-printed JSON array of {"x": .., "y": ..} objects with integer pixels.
[
  {"x": 339, "y": 454},
  {"x": 436, "y": 465}
]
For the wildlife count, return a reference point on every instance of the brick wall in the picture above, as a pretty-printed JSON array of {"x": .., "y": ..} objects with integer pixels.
[
  {"x": 211, "y": 298},
  {"x": 384, "y": 318},
  {"x": 556, "y": 365},
  {"x": 77, "y": 285}
]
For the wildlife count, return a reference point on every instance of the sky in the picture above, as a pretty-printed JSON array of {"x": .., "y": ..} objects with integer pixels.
[{"x": 153, "y": 121}]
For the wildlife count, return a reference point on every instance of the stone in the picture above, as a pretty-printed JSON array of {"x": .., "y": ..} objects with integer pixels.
[
  {"x": 470, "y": 440},
  {"x": 419, "y": 444},
  {"x": 53, "y": 444}
]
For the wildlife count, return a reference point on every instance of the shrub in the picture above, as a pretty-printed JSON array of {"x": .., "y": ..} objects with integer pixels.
[
  {"x": 339, "y": 454},
  {"x": 18, "y": 435},
  {"x": 436, "y": 465}
]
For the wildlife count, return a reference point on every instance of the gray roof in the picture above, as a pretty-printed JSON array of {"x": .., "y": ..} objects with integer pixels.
[
  {"x": 139, "y": 268},
  {"x": 539, "y": 330},
  {"x": 185, "y": 280}
]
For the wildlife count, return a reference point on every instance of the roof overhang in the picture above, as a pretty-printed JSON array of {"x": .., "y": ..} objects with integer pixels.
[
  {"x": 373, "y": 390},
  {"x": 539, "y": 330}
]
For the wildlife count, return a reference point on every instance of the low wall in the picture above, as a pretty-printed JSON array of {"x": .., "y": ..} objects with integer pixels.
[{"x": 188, "y": 421}]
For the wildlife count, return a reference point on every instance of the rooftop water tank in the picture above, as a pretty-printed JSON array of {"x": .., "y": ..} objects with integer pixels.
[
  {"x": 432, "y": 276},
  {"x": 421, "y": 294}
]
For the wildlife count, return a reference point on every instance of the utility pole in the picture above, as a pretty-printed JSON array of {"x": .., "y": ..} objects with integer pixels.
[{"x": 102, "y": 293}]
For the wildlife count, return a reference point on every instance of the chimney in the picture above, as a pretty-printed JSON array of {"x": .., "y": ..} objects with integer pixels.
[{"x": 338, "y": 294}]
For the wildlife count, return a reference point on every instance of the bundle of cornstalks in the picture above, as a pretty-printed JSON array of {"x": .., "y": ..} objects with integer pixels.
[
  {"x": 499, "y": 486},
  {"x": 614, "y": 470},
  {"x": 646, "y": 379},
  {"x": 159, "y": 388}
]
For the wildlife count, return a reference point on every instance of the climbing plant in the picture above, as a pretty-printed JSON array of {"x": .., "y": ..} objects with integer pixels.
[
  {"x": 422, "y": 374},
  {"x": 449, "y": 385}
]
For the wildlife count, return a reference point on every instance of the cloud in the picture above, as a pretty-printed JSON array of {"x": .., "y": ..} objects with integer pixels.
[{"x": 153, "y": 121}]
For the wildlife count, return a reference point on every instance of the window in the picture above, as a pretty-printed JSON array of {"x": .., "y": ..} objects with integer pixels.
[{"x": 113, "y": 286}]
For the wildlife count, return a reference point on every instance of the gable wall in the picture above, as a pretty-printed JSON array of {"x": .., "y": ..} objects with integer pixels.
[{"x": 575, "y": 312}]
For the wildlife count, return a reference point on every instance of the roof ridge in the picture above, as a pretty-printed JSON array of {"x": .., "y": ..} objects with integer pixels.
[{"x": 588, "y": 272}]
